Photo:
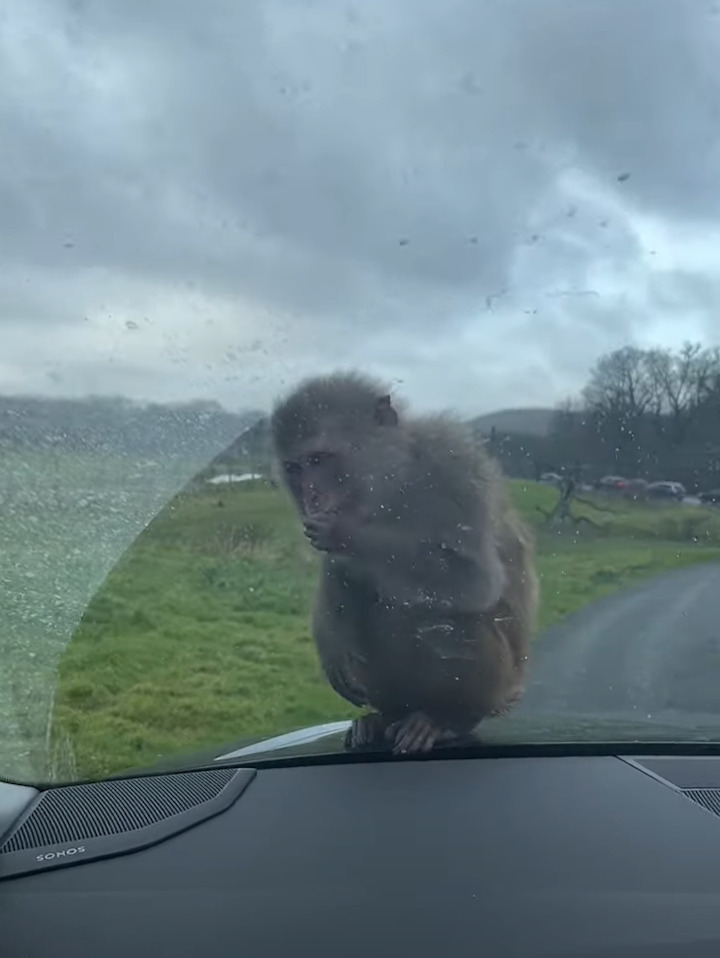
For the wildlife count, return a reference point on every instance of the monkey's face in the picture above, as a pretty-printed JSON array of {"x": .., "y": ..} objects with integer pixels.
[
  {"x": 337, "y": 449},
  {"x": 320, "y": 482}
]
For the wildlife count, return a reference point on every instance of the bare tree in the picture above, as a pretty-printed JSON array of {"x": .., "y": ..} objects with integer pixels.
[
  {"x": 619, "y": 395},
  {"x": 681, "y": 383},
  {"x": 621, "y": 383}
]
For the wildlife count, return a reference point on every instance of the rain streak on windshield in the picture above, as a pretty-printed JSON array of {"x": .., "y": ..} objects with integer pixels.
[{"x": 504, "y": 212}]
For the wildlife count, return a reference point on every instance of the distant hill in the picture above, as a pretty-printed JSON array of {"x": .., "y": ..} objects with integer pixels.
[
  {"x": 529, "y": 422},
  {"x": 118, "y": 425},
  {"x": 254, "y": 444}
]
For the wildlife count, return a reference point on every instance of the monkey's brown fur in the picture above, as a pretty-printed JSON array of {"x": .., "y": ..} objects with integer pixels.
[{"x": 428, "y": 592}]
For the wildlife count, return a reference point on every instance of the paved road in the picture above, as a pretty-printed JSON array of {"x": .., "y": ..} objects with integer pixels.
[{"x": 652, "y": 652}]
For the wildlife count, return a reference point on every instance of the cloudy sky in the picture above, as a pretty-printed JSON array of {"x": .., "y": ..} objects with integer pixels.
[{"x": 473, "y": 198}]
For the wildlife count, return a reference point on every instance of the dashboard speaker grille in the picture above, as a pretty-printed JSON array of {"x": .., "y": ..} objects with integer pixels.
[
  {"x": 74, "y": 823},
  {"x": 707, "y": 797},
  {"x": 77, "y": 812}
]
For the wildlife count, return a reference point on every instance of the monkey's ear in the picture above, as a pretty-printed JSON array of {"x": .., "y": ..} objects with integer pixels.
[{"x": 385, "y": 415}]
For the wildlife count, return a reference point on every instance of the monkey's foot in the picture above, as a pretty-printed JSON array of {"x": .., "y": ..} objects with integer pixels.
[
  {"x": 366, "y": 731},
  {"x": 416, "y": 733},
  {"x": 513, "y": 698}
]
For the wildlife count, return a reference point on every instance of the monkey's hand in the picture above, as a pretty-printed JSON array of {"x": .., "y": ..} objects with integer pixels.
[{"x": 328, "y": 532}]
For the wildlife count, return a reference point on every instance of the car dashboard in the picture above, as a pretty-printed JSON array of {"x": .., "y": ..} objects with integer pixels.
[{"x": 565, "y": 855}]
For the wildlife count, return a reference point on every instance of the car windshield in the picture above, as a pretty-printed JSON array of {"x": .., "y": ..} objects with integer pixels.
[{"x": 491, "y": 229}]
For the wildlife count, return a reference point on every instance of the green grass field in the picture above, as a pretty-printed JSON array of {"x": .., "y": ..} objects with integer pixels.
[
  {"x": 200, "y": 636},
  {"x": 64, "y": 521}
]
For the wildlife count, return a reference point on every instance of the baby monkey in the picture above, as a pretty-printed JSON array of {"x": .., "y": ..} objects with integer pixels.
[{"x": 428, "y": 594}]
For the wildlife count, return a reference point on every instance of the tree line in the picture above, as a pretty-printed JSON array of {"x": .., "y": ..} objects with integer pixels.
[{"x": 644, "y": 413}]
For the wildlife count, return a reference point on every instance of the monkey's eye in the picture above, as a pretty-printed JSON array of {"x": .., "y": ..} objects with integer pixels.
[
  {"x": 317, "y": 458},
  {"x": 292, "y": 468}
]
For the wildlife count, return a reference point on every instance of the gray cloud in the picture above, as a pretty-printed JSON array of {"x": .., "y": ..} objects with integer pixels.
[{"x": 431, "y": 190}]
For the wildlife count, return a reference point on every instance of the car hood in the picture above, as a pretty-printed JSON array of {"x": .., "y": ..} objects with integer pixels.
[
  {"x": 330, "y": 735},
  {"x": 534, "y": 730}
]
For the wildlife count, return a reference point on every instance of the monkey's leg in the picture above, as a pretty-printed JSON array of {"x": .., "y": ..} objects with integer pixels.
[
  {"x": 340, "y": 676},
  {"x": 338, "y": 625},
  {"x": 366, "y": 731}
]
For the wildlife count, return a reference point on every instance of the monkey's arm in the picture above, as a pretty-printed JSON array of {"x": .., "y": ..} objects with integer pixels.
[
  {"x": 432, "y": 558},
  {"x": 444, "y": 571}
]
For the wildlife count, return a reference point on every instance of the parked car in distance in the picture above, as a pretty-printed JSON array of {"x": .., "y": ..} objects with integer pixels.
[
  {"x": 612, "y": 484},
  {"x": 636, "y": 488},
  {"x": 711, "y": 497},
  {"x": 551, "y": 478},
  {"x": 667, "y": 490}
]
